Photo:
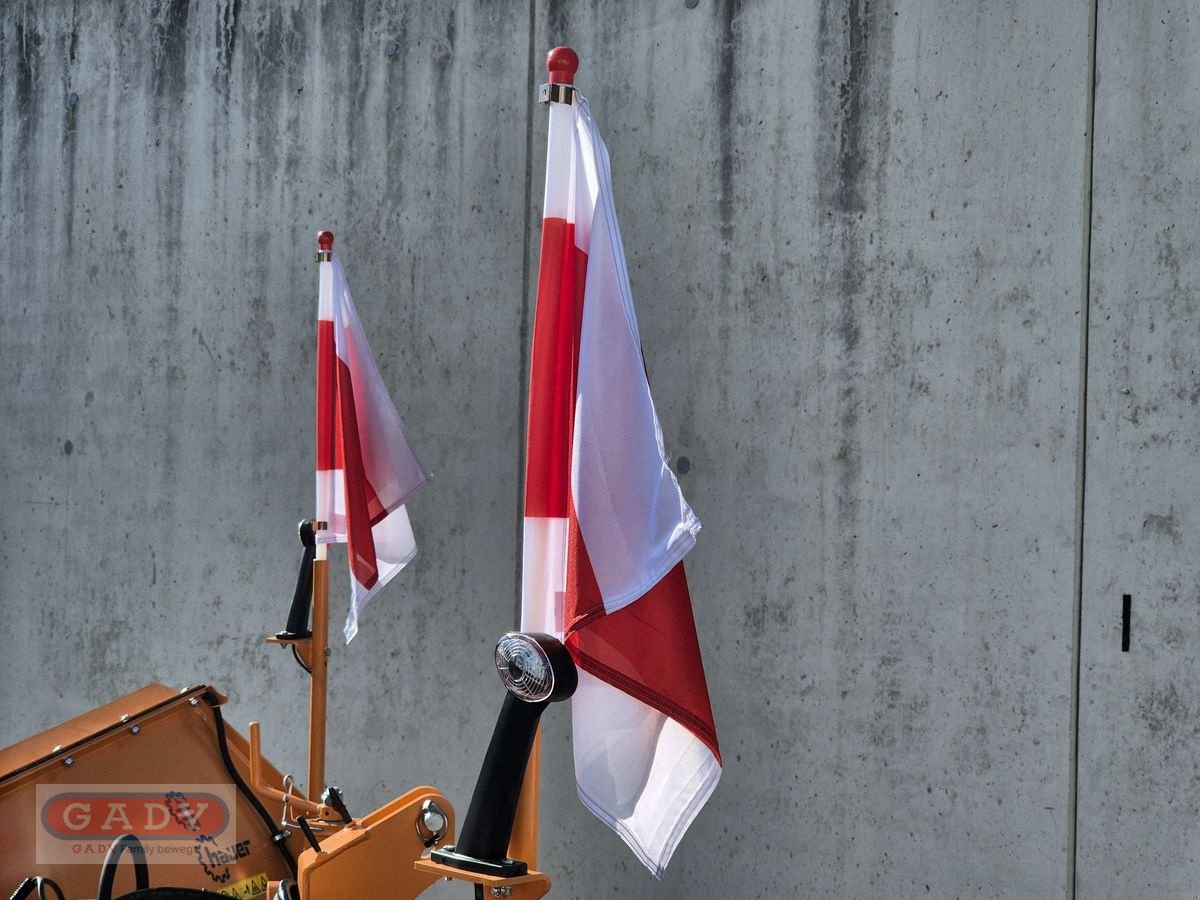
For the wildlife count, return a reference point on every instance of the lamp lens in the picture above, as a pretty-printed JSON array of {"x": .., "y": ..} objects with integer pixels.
[{"x": 524, "y": 667}]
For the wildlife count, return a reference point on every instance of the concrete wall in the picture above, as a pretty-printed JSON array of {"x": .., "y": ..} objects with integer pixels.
[
  {"x": 858, "y": 235},
  {"x": 1139, "y": 793}
]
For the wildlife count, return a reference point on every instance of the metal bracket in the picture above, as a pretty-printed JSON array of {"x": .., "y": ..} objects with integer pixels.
[{"x": 556, "y": 93}]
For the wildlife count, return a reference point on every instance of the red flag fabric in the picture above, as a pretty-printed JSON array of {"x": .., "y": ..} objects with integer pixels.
[
  {"x": 366, "y": 469},
  {"x": 606, "y": 525}
]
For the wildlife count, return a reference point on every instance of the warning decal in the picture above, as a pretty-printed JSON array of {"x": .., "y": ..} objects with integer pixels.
[{"x": 247, "y": 888}]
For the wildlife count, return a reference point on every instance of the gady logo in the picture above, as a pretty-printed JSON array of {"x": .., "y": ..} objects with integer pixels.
[
  {"x": 167, "y": 815},
  {"x": 76, "y": 822}
]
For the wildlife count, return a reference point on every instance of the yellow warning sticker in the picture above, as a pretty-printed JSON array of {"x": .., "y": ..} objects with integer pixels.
[{"x": 247, "y": 888}]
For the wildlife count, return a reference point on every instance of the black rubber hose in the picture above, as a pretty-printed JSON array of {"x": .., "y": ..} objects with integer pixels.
[
  {"x": 278, "y": 837},
  {"x": 108, "y": 870},
  {"x": 36, "y": 883}
]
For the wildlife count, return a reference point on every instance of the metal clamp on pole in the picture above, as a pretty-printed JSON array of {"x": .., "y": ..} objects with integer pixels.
[
  {"x": 556, "y": 93},
  {"x": 562, "y": 63}
]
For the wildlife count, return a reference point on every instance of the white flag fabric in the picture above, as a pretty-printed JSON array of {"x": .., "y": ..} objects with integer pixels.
[
  {"x": 366, "y": 468},
  {"x": 606, "y": 525}
]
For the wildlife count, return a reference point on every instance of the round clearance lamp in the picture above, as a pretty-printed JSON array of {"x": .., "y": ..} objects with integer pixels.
[{"x": 537, "y": 671}]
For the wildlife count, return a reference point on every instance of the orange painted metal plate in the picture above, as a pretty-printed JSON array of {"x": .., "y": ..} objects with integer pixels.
[
  {"x": 153, "y": 737},
  {"x": 374, "y": 856}
]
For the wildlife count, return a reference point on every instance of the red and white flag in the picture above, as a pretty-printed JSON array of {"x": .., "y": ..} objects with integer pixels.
[
  {"x": 366, "y": 470},
  {"x": 606, "y": 525}
]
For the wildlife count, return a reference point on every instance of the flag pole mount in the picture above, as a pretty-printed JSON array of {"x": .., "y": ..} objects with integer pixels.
[{"x": 561, "y": 63}]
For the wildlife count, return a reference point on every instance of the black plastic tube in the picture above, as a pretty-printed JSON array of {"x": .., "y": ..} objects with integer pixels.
[{"x": 278, "y": 837}]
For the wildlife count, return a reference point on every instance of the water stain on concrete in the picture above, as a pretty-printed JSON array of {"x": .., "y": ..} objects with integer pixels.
[
  {"x": 169, "y": 50},
  {"x": 27, "y": 85},
  {"x": 226, "y": 36},
  {"x": 1163, "y": 710},
  {"x": 1162, "y": 526},
  {"x": 556, "y": 21},
  {"x": 726, "y": 85},
  {"x": 69, "y": 125}
]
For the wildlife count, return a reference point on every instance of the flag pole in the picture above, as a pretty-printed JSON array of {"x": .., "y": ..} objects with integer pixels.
[
  {"x": 319, "y": 648},
  {"x": 561, "y": 65}
]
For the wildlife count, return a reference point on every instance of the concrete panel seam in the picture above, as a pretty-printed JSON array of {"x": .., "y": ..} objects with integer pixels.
[{"x": 1081, "y": 451}]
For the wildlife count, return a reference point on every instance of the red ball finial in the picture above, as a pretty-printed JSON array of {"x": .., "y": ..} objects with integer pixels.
[
  {"x": 562, "y": 63},
  {"x": 325, "y": 241}
]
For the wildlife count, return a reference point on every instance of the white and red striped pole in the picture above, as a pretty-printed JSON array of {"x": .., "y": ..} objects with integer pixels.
[
  {"x": 318, "y": 652},
  {"x": 551, "y": 392}
]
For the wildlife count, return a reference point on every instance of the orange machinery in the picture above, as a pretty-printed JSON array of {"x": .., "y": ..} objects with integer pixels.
[
  {"x": 129, "y": 764},
  {"x": 158, "y": 774}
]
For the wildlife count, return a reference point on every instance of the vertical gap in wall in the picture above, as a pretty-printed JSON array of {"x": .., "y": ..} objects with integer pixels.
[
  {"x": 1081, "y": 452},
  {"x": 531, "y": 107}
]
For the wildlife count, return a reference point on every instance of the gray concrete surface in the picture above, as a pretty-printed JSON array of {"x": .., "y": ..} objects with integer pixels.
[
  {"x": 856, "y": 233},
  {"x": 1139, "y": 792}
]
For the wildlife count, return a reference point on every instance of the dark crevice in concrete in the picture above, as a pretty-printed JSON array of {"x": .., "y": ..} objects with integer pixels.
[
  {"x": 70, "y": 104},
  {"x": 726, "y": 89}
]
